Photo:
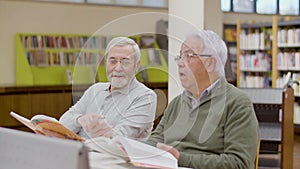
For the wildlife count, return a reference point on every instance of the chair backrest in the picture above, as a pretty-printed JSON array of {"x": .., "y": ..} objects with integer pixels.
[
  {"x": 257, "y": 156},
  {"x": 161, "y": 105}
]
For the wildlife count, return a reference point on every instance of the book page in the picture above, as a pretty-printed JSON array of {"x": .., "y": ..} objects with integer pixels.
[
  {"x": 144, "y": 155},
  {"x": 103, "y": 160},
  {"x": 106, "y": 146},
  {"x": 44, "y": 117},
  {"x": 23, "y": 120},
  {"x": 45, "y": 125}
]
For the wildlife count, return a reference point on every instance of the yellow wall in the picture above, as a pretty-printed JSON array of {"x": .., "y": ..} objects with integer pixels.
[{"x": 43, "y": 17}]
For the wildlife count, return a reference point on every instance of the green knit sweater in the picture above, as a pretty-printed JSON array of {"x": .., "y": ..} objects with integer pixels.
[{"x": 220, "y": 133}]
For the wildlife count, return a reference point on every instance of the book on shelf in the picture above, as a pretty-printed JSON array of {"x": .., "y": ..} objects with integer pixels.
[
  {"x": 40, "y": 57},
  {"x": 147, "y": 41},
  {"x": 137, "y": 153},
  {"x": 153, "y": 56},
  {"x": 48, "y": 126},
  {"x": 230, "y": 34}
]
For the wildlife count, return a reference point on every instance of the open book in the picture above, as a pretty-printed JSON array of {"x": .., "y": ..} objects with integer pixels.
[
  {"x": 137, "y": 153},
  {"x": 48, "y": 126}
]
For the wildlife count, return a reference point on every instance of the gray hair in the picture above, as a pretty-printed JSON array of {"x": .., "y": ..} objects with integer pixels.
[
  {"x": 123, "y": 41},
  {"x": 213, "y": 45}
]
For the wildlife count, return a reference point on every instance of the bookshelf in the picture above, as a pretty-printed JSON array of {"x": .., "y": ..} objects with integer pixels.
[
  {"x": 154, "y": 66},
  {"x": 284, "y": 56},
  {"x": 45, "y": 59},
  {"x": 288, "y": 63},
  {"x": 274, "y": 111},
  {"x": 58, "y": 59},
  {"x": 229, "y": 36},
  {"x": 254, "y": 55}
]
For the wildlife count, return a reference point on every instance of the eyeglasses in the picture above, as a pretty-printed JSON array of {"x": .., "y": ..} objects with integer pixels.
[
  {"x": 188, "y": 56},
  {"x": 124, "y": 62}
]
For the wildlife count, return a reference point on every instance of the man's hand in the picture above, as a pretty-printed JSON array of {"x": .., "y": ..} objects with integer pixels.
[
  {"x": 95, "y": 125},
  {"x": 169, "y": 149}
]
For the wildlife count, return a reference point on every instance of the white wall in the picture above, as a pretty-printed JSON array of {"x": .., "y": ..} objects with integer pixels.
[
  {"x": 45, "y": 17},
  {"x": 181, "y": 23},
  {"x": 213, "y": 16}
]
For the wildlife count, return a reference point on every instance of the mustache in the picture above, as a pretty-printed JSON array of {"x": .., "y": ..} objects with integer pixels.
[{"x": 118, "y": 74}]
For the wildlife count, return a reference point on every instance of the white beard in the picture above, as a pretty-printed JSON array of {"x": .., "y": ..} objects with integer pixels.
[
  {"x": 122, "y": 81},
  {"x": 117, "y": 82}
]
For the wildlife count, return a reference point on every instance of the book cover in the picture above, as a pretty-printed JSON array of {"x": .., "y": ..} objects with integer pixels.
[
  {"x": 48, "y": 126},
  {"x": 153, "y": 56},
  {"x": 40, "y": 57}
]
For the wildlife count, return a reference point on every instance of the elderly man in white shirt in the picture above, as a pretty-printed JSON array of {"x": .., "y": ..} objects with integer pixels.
[{"x": 123, "y": 106}]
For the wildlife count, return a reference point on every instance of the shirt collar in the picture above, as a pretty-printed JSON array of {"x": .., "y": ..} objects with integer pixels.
[{"x": 204, "y": 94}]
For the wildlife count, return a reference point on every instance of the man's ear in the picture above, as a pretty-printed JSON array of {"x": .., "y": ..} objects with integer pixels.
[
  {"x": 211, "y": 64},
  {"x": 137, "y": 66}
]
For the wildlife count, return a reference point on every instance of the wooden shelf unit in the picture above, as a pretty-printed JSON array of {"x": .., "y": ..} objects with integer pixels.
[
  {"x": 275, "y": 112},
  {"x": 48, "y": 59},
  {"x": 229, "y": 36},
  {"x": 254, "y": 55}
]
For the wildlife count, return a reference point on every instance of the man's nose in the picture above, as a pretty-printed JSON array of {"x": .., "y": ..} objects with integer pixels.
[
  {"x": 180, "y": 63},
  {"x": 118, "y": 66}
]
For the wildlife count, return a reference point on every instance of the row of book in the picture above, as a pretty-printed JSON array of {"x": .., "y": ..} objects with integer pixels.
[
  {"x": 280, "y": 83},
  {"x": 289, "y": 37},
  {"x": 256, "y": 40},
  {"x": 252, "y": 81},
  {"x": 43, "y": 58},
  {"x": 78, "y": 42},
  {"x": 296, "y": 113},
  {"x": 285, "y": 77},
  {"x": 66, "y": 42},
  {"x": 288, "y": 60},
  {"x": 260, "y": 61}
]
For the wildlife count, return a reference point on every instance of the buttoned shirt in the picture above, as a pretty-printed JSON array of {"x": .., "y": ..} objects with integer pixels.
[{"x": 130, "y": 110}]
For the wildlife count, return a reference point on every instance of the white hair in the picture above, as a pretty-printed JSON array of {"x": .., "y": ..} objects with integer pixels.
[
  {"x": 213, "y": 45},
  {"x": 123, "y": 41}
]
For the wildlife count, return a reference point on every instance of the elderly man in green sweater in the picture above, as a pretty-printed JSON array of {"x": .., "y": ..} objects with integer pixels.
[{"x": 212, "y": 124}]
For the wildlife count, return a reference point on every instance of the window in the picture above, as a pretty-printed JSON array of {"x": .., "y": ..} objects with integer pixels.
[
  {"x": 155, "y": 3},
  {"x": 99, "y": 1},
  {"x": 289, "y": 7},
  {"x": 140, "y": 3},
  {"x": 137, "y": 3},
  {"x": 226, "y": 5},
  {"x": 245, "y": 6},
  {"x": 74, "y": 1},
  {"x": 266, "y": 6}
]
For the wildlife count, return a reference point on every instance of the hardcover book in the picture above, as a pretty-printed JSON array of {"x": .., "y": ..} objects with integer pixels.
[{"x": 48, "y": 126}]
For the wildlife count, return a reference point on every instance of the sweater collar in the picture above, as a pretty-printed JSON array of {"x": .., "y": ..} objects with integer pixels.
[
  {"x": 213, "y": 90},
  {"x": 125, "y": 90}
]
